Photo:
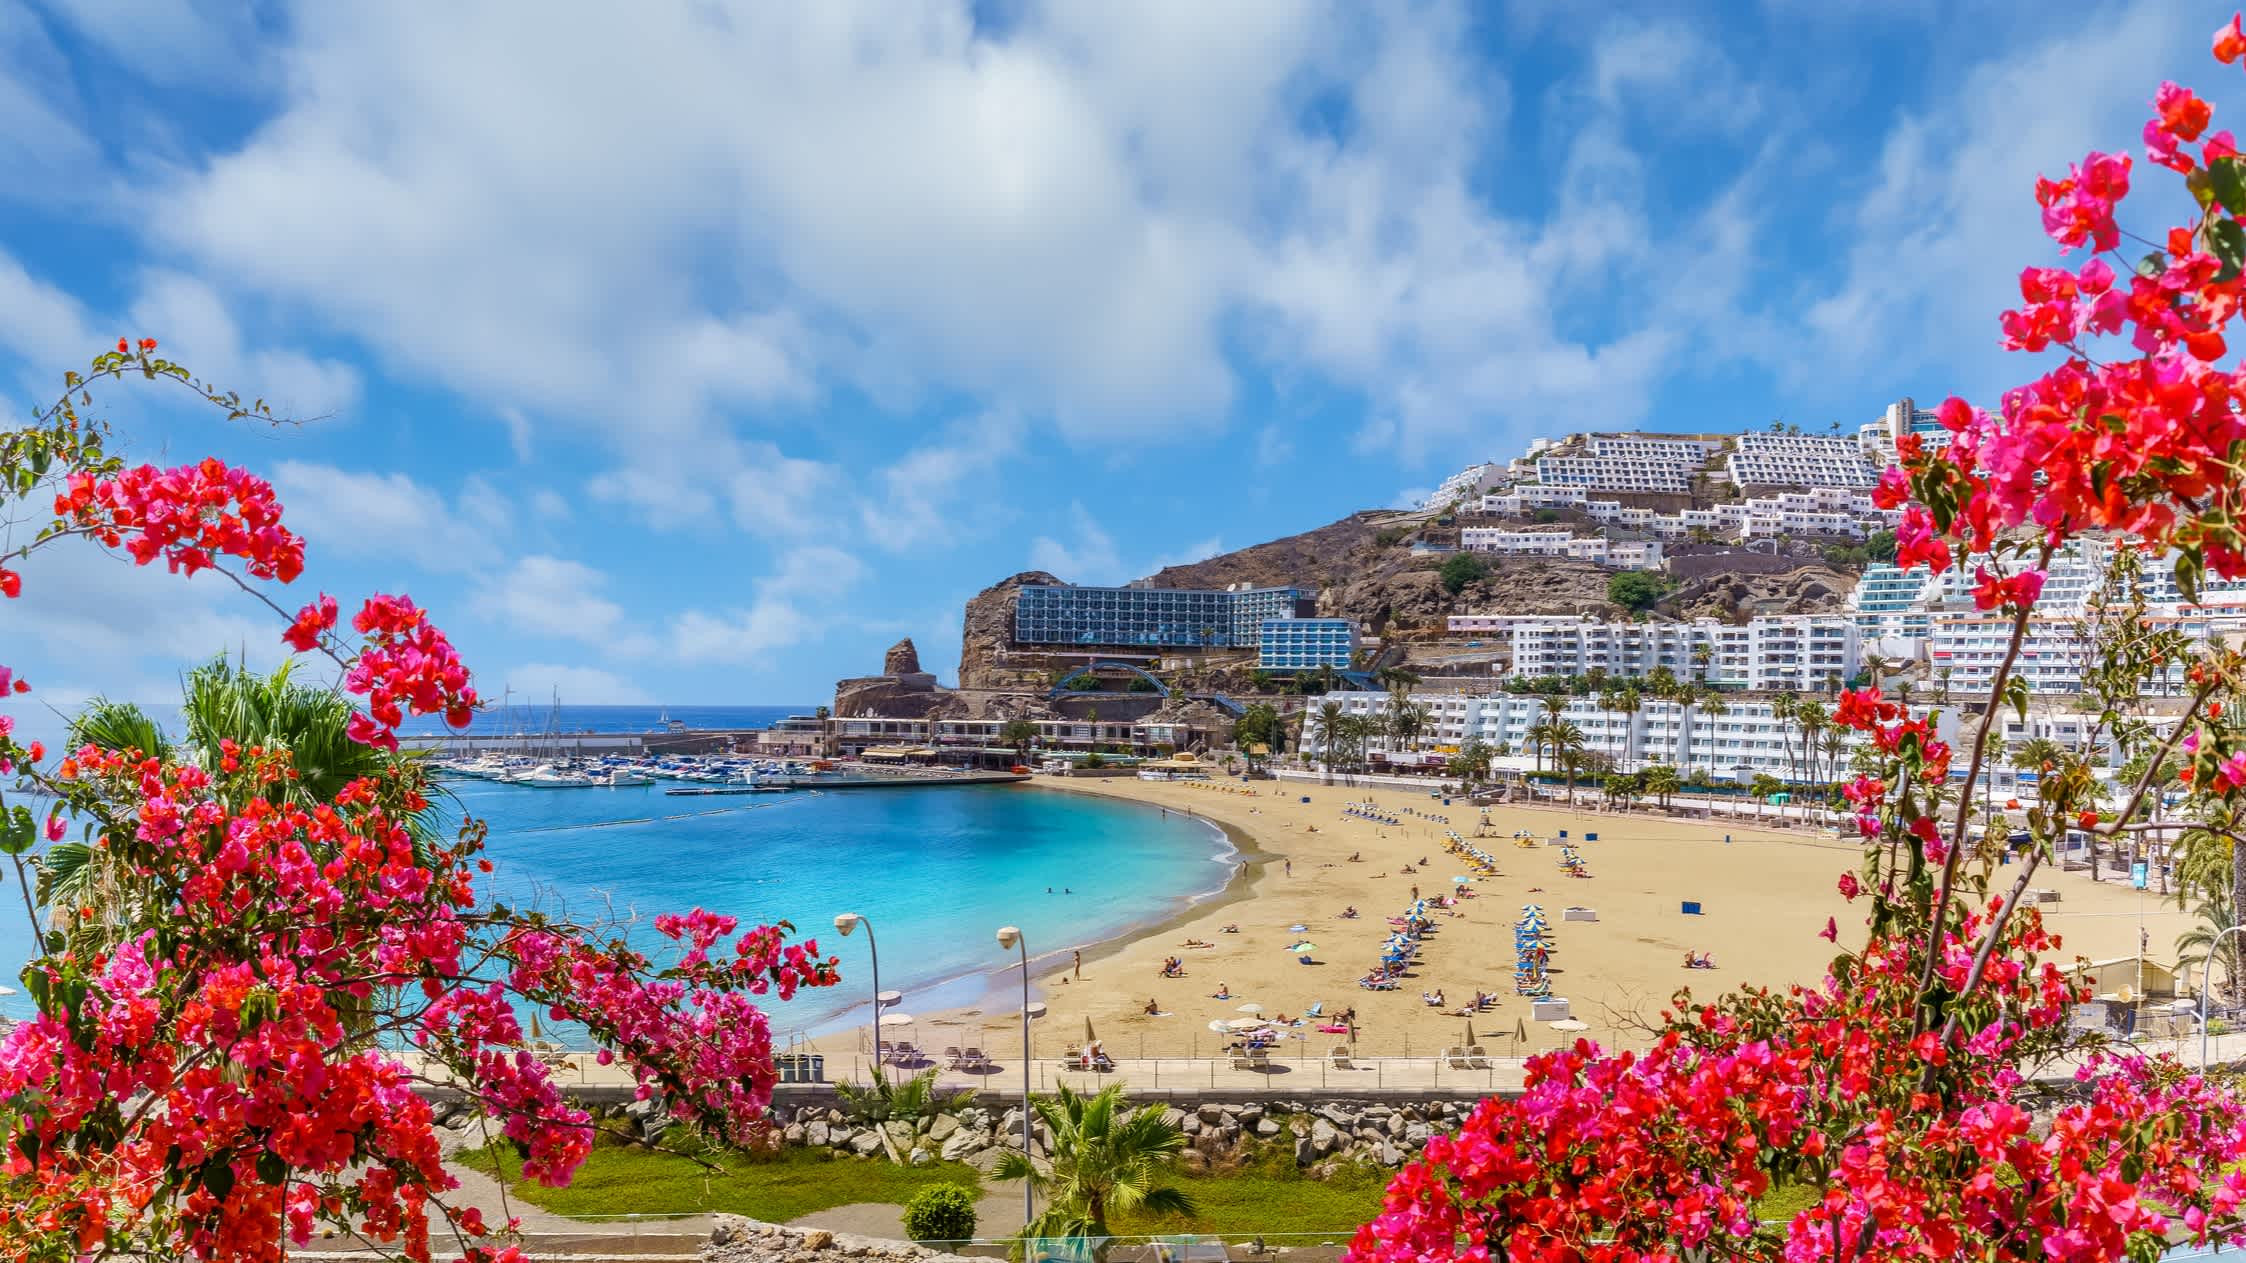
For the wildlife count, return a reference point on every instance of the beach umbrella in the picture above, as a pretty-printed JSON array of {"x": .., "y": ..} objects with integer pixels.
[
  {"x": 1570, "y": 1024},
  {"x": 1089, "y": 1037},
  {"x": 889, "y": 999},
  {"x": 1302, "y": 947},
  {"x": 1243, "y": 1024},
  {"x": 1469, "y": 1032},
  {"x": 896, "y": 1019},
  {"x": 1220, "y": 1026},
  {"x": 1461, "y": 881},
  {"x": 1249, "y": 1008}
]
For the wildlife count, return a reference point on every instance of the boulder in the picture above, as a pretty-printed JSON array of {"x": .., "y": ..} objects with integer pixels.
[
  {"x": 1266, "y": 1129},
  {"x": 1305, "y": 1151},
  {"x": 921, "y": 1158},
  {"x": 1323, "y": 1137},
  {"x": 1389, "y": 1156},
  {"x": 816, "y": 1132},
  {"x": 866, "y": 1143},
  {"x": 961, "y": 1143},
  {"x": 792, "y": 1134},
  {"x": 1212, "y": 1113},
  {"x": 941, "y": 1127},
  {"x": 1416, "y": 1134},
  {"x": 1395, "y": 1124},
  {"x": 1339, "y": 1117}
]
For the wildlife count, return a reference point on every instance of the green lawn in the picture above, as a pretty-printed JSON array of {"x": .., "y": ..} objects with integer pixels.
[
  {"x": 618, "y": 1180},
  {"x": 1269, "y": 1196}
]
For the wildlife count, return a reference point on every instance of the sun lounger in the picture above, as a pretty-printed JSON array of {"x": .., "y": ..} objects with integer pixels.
[
  {"x": 974, "y": 1059},
  {"x": 1455, "y": 1058},
  {"x": 951, "y": 1058},
  {"x": 1339, "y": 1058},
  {"x": 1477, "y": 1058}
]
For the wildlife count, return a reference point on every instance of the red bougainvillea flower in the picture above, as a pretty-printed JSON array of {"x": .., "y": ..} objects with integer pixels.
[{"x": 2230, "y": 41}]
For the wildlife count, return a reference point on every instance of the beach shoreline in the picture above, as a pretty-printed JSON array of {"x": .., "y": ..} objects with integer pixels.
[{"x": 1769, "y": 892}]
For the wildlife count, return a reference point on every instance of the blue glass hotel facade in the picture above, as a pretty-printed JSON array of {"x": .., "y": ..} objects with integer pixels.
[
  {"x": 1150, "y": 618},
  {"x": 1306, "y": 644}
]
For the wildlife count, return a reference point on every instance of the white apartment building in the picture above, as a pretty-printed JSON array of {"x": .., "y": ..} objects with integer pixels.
[
  {"x": 1889, "y": 601},
  {"x": 1504, "y": 541},
  {"x": 1466, "y": 484},
  {"x": 1613, "y": 473},
  {"x": 1800, "y": 652},
  {"x": 1741, "y": 741},
  {"x": 1762, "y": 459}
]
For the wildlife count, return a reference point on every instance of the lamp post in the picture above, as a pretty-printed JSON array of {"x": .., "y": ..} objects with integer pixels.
[
  {"x": 1011, "y": 937},
  {"x": 2206, "y": 984},
  {"x": 843, "y": 924}
]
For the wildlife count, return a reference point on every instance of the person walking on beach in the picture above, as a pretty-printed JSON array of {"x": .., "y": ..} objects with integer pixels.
[
  {"x": 1290, "y": 867},
  {"x": 1079, "y": 963}
]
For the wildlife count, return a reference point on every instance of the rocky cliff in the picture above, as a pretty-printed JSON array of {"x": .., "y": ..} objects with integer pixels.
[{"x": 1363, "y": 569}]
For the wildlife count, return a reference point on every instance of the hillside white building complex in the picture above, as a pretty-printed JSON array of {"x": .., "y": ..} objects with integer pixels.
[
  {"x": 1902, "y": 417},
  {"x": 1799, "y": 460},
  {"x": 1817, "y": 511},
  {"x": 1511, "y": 542}
]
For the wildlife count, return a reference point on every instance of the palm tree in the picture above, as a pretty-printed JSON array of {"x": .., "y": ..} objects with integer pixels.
[
  {"x": 2214, "y": 913},
  {"x": 1783, "y": 708},
  {"x": 1472, "y": 760},
  {"x": 1567, "y": 752},
  {"x": 1102, "y": 1161},
  {"x": 1702, "y": 655},
  {"x": 1018, "y": 733},
  {"x": 1661, "y": 781},
  {"x": 1330, "y": 717},
  {"x": 1875, "y": 668},
  {"x": 1538, "y": 735}
]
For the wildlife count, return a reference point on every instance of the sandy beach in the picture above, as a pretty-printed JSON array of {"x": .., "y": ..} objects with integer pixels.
[{"x": 1764, "y": 896}]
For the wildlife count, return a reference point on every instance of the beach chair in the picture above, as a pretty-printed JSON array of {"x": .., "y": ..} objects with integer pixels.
[
  {"x": 952, "y": 1058},
  {"x": 1477, "y": 1058},
  {"x": 1454, "y": 1058},
  {"x": 1244, "y": 1060},
  {"x": 975, "y": 1060},
  {"x": 1339, "y": 1058}
]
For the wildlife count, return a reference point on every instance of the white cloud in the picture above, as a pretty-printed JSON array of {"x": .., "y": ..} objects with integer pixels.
[
  {"x": 791, "y": 606},
  {"x": 553, "y": 596},
  {"x": 391, "y": 517},
  {"x": 938, "y": 493},
  {"x": 193, "y": 323},
  {"x": 1091, "y": 559},
  {"x": 1937, "y": 239},
  {"x": 576, "y": 686},
  {"x": 1069, "y": 214},
  {"x": 549, "y": 503}
]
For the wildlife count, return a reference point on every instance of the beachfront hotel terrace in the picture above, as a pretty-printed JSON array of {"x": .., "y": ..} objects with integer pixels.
[{"x": 1151, "y": 618}]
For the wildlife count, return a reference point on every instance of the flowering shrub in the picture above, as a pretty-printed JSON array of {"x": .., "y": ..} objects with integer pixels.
[
  {"x": 1897, "y": 1091},
  {"x": 206, "y": 1075}
]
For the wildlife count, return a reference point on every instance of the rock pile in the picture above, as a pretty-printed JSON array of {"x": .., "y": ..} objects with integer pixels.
[
  {"x": 738, "y": 1240},
  {"x": 1327, "y": 1132},
  {"x": 971, "y": 1135}
]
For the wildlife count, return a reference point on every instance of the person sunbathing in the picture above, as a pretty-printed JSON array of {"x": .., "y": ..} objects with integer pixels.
[
  {"x": 1153, "y": 1009},
  {"x": 1356, "y": 857},
  {"x": 1223, "y": 991},
  {"x": 1349, "y": 913}
]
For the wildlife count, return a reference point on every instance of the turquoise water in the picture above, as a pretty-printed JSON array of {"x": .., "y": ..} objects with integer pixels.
[{"x": 936, "y": 871}]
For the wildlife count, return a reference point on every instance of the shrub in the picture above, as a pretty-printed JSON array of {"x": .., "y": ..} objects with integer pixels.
[
  {"x": 940, "y": 1212},
  {"x": 1462, "y": 569},
  {"x": 1636, "y": 589}
]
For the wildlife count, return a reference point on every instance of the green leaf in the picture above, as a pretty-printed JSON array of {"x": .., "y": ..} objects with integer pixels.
[
  {"x": 218, "y": 1177},
  {"x": 2228, "y": 242},
  {"x": 2228, "y": 182},
  {"x": 270, "y": 1167}
]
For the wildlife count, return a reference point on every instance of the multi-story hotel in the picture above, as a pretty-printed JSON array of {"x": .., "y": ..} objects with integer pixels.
[
  {"x": 1306, "y": 644},
  {"x": 1150, "y": 618},
  {"x": 1794, "y": 651},
  {"x": 1762, "y": 459}
]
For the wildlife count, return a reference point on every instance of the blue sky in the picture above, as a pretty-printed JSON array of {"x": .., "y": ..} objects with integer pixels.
[{"x": 696, "y": 353}]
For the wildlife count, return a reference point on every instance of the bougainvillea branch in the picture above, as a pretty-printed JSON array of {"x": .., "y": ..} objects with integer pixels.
[{"x": 207, "y": 1072}]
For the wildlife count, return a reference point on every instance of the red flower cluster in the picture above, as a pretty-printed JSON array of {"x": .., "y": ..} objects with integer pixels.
[
  {"x": 407, "y": 665},
  {"x": 188, "y": 516}
]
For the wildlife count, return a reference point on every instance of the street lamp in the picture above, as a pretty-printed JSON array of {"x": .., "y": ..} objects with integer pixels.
[
  {"x": 1010, "y": 937},
  {"x": 843, "y": 924},
  {"x": 2206, "y": 984}
]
